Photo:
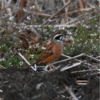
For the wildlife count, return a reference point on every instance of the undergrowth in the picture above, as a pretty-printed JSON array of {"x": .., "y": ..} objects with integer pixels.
[{"x": 86, "y": 40}]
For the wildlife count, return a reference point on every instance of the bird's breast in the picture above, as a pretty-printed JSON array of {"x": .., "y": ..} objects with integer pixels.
[{"x": 57, "y": 50}]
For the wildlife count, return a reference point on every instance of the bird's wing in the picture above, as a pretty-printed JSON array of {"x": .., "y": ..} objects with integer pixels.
[{"x": 46, "y": 53}]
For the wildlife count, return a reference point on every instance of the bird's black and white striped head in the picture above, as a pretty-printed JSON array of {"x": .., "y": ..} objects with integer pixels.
[{"x": 58, "y": 37}]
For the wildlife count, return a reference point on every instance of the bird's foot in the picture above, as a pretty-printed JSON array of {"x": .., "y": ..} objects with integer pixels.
[{"x": 50, "y": 67}]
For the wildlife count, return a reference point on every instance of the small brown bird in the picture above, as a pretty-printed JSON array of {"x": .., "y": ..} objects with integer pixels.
[{"x": 53, "y": 50}]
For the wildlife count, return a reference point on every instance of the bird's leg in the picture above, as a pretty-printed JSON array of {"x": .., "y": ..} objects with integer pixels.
[
  {"x": 46, "y": 68},
  {"x": 52, "y": 68}
]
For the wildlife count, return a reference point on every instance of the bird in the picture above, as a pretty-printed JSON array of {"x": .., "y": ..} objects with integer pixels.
[{"x": 53, "y": 51}]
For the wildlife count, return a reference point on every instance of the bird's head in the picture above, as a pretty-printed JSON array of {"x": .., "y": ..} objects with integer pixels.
[{"x": 58, "y": 37}]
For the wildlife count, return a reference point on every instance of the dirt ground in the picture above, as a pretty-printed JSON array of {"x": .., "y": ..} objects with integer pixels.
[{"x": 25, "y": 84}]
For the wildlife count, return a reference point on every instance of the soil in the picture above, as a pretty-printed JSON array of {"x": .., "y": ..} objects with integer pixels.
[{"x": 25, "y": 84}]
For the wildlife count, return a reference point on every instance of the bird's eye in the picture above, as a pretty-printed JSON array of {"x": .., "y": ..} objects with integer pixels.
[{"x": 58, "y": 37}]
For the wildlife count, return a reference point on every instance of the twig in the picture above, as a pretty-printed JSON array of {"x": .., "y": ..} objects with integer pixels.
[
  {"x": 69, "y": 67},
  {"x": 54, "y": 20},
  {"x": 82, "y": 82},
  {"x": 69, "y": 90},
  {"x": 27, "y": 62},
  {"x": 62, "y": 91},
  {"x": 43, "y": 14},
  {"x": 84, "y": 62},
  {"x": 8, "y": 9},
  {"x": 55, "y": 26},
  {"x": 2, "y": 67},
  {"x": 83, "y": 71},
  {"x": 98, "y": 57},
  {"x": 71, "y": 12},
  {"x": 66, "y": 10},
  {"x": 81, "y": 4},
  {"x": 96, "y": 73},
  {"x": 2, "y": 4},
  {"x": 80, "y": 55},
  {"x": 56, "y": 13},
  {"x": 93, "y": 58},
  {"x": 90, "y": 5},
  {"x": 70, "y": 57}
]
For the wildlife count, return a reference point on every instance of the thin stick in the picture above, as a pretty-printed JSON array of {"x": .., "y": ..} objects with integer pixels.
[
  {"x": 82, "y": 81},
  {"x": 83, "y": 71},
  {"x": 56, "y": 13},
  {"x": 81, "y": 4},
  {"x": 69, "y": 67},
  {"x": 27, "y": 61},
  {"x": 56, "y": 26},
  {"x": 82, "y": 84},
  {"x": 8, "y": 9},
  {"x": 3, "y": 4},
  {"x": 70, "y": 57},
  {"x": 98, "y": 57},
  {"x": 43, "y": 14},
  {"x": 96, "y": 73},
  {"x": 69, "y": 90},
  {"x": 78, "y": 60},
  {"x": 90, "y": 5},
  {"x": 2, "y": 67},
  {"x": 93, "y": 58},
  {"x": 80, "y": 55},
  {"x": 66, "y": 10}
]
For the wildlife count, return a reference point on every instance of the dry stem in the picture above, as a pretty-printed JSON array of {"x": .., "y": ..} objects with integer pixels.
[
  {"x": 27, "y": 61},
  {"x": 56, "y": 13},
  {"x": 69, "y": 90}
]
